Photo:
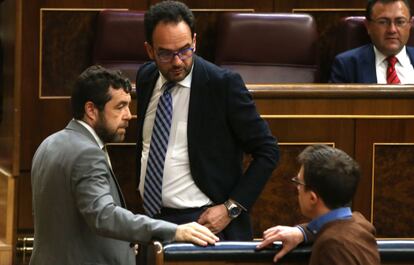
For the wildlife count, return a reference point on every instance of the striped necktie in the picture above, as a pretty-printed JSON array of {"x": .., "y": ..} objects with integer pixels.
[
  {"x": 392, "y": 77},
  {"x": 158, "y": 149}
]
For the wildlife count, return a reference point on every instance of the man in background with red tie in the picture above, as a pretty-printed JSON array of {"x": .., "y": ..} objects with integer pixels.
[{"x": 387, "y": 60}]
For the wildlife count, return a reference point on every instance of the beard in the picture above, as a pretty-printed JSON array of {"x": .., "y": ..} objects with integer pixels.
[
  {"x": 175, "y": 73},
  {"x": 105, "y": 134}
]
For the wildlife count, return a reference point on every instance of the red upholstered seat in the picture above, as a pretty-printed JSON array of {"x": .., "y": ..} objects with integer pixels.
[
  {"x": 268, "y": 47},
  {"x": 119, "y": 42}
]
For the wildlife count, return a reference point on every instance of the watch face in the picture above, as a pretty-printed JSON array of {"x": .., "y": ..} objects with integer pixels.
[{"x": 235, "y": 211}]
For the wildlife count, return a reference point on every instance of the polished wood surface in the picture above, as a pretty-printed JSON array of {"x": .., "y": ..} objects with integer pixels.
[{"x": 7, "y": 217}]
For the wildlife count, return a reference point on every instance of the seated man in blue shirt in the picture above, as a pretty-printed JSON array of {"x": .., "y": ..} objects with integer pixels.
[
  {"x": 326, "y": 182},
  {"x": 387, "y": 60}
]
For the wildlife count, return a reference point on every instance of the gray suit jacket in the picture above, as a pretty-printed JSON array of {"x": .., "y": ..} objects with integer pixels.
[{"x": 77, "y": 205}]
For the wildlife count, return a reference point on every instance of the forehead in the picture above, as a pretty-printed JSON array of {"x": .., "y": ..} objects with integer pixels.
[
  {"x": 171, "y": 35},
  {"x": 118, "y": 95},
  {"x": 391, "y": 9}
]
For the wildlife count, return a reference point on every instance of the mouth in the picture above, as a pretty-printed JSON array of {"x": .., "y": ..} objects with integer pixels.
[
  {"x": 393, "y": 37},
  {"x": 123, "y": 128},
  {"x": 177, "y": 71}
]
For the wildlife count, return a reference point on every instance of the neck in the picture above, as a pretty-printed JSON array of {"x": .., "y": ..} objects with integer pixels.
[{"x": 320, "y": 210}]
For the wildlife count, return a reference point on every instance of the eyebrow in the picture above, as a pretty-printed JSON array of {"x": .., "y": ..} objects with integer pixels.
[
  {"x": 179, "y": 49},
  {"x": 122, "y": 103}
]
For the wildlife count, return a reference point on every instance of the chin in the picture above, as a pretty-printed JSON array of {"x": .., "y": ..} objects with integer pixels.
[{"x": 118, "y": 138}]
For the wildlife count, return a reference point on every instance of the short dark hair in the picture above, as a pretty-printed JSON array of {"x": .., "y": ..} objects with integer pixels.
[
  {"x": 330, "y": 173},
  {"x": 371, "y": 3},
  {"x": 166, "y": 12},
  {"x": 93, "y": 85}
]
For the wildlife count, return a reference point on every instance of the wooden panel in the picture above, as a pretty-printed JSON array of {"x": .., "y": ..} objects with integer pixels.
[
  {"x": 24, "y": 203},
  {"x": 327, "y": 100},
  {"x": 393, "y": 187},
  {"x": 7, "y": 217},
  {"x": 278, "y": 202},
  {"x": 367, "y": 133},
  {"x": 3, "y": 206},
  {"x": 11, "y": 210},
  {"x": 123, "y": 164},
  {"x": 64, "y": 56},
  {"x": 6, "y": 253},
  {"x": 9, "y": 107},
  {"x": 287, "y": 6}
]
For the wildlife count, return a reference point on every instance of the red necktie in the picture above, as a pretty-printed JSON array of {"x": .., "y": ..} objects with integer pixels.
[{"x": 392, "y": 77}]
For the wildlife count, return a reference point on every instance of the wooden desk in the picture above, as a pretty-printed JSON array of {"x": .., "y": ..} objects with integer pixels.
[
  {"x": 372, "y": 123},
  {"x": 391, "y": 252}
]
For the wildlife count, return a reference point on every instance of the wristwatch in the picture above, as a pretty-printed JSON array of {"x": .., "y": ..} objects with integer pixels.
[{"x": 233, "y": 209}]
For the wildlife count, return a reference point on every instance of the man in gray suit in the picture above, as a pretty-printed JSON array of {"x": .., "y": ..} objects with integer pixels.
[{"x": 77, "y": 202}]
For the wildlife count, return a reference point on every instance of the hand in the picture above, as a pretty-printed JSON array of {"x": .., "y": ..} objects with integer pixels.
[
  {"x": 215, "y": 218},
  {"x": 195, "y": 233},
  {"x": 290, "y": 237},
  {"x": 136, "y": 247}
]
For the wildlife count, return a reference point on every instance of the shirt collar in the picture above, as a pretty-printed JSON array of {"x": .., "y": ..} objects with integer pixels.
[
  {"x": 92, "y": 131},
  {"x": 402, "y": 57},
  {"x": 337, "y": 214}
]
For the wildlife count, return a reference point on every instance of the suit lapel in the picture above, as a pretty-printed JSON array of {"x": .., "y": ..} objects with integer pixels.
[
  {"x": 121, "y": 196},
  {"x": 410, "y": 52},
  {"x": 147, "y": 87},
  {"x": 198, "y": 86},
  {"x": 368, "y": 70},
  {"x": 74, "y": 125}
]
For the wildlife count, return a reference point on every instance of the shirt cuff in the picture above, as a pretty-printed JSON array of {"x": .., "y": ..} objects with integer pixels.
[{"x": 305, "y": 238}]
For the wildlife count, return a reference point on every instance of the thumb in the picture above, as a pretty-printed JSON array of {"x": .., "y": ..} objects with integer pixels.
[{"x": 280, "y": 254}]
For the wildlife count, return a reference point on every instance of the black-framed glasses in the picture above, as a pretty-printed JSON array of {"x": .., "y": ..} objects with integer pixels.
[
  {"x": 297, "y": 181},
  {"x": 168, "y": 56},
  {"x": 386, "y": 22}
]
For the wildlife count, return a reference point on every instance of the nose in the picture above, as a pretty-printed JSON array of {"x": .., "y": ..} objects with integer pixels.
[
  {"x": 392, "y": 27},
  {"x": 127, "y": 115},
  {"x": 176, "y": 60}
]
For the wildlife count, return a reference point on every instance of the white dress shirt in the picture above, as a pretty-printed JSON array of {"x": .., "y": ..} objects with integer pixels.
[
  {"x": 178, "y": 188},
  {"x": 404, "y": 68}
]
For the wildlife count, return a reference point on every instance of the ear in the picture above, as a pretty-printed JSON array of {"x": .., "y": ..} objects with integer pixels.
[
  {"x": 367, "y": 26},
  {"x": 150, "y": 50},
  {"x": 195, "y": 41},
  {"x": 313, "y": 198},
  {"x": 91, "y": 113}
]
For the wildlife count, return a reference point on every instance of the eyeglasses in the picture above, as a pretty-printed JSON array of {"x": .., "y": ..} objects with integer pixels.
[
  {"x": 168, "y": 56},
  {"x": 386, "y": 22},
  {"x": 297, "y": 181}
]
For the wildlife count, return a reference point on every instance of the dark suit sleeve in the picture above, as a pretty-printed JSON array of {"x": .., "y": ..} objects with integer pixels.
[
  {"x": 255, "y": 138},
  {"x": 339, "y": 72}
]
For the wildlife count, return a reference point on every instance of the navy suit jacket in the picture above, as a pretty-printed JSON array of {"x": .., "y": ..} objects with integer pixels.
[
  {"x": 222, "y": 125},
  {"x": 358, "y": 65}
]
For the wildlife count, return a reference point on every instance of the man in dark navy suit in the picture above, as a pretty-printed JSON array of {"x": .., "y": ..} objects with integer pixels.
[
  {"x": 388, "y": 25},
  {"x": 214, "y": 121}
]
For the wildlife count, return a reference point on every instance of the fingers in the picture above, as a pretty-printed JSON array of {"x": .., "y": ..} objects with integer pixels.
[
  {"x": 195, "y": 233},
  {"x": 136, "y": 246},
  {"x": 203, "y": 233},
  {"x": 265, "y": 243},
  {"x": 282, "y": 252}
]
